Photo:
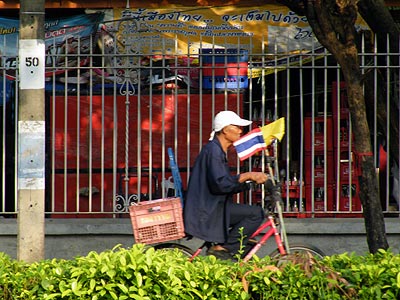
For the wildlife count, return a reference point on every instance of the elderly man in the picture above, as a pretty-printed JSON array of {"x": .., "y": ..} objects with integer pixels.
[{"x": 210, "y": 213}]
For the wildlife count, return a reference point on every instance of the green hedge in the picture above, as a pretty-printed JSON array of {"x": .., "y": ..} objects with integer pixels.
[{"x": 143, "y": 273}]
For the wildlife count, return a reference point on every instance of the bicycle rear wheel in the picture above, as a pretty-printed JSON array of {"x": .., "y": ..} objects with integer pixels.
[
  {"x": 173, "y": 246},
  {"x": 300, "y": 249}
]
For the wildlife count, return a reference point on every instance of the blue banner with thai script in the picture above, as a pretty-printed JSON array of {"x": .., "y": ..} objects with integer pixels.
[{"x": 67, "y": 42}]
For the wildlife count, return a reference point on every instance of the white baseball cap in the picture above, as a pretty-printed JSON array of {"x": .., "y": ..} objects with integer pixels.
[{"x": 225, "y": 118}]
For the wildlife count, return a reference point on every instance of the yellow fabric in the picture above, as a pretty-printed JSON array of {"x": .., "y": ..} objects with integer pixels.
[{"x": 274, "y": 130}]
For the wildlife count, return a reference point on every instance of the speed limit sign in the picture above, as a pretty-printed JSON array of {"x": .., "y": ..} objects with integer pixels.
[{"x": 31, "y": 64}]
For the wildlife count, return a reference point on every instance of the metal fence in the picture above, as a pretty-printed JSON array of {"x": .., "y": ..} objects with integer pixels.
[{"x": 112, "y": 113}]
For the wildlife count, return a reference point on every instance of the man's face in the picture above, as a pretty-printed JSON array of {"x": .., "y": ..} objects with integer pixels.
[{"x": 233, "y": 132}]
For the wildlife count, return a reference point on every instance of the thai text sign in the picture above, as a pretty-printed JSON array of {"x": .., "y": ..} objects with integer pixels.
[{"x": 263, "y": 29}]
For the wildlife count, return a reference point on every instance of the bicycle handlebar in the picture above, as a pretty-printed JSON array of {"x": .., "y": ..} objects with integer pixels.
[{"x": 273, "y": 193}]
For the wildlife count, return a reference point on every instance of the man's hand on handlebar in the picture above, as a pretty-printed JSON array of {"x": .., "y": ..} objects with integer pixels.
[{"x": 256, "y": 177}]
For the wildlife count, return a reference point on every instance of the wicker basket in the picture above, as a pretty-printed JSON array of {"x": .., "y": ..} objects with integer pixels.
[{"x": 157, "y": 221}]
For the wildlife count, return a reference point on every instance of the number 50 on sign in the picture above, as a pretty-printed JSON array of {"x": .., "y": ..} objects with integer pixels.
[{"x": 31, "y": 64}]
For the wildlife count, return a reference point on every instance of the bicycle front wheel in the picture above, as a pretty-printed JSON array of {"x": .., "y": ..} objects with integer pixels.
[
  {"x": 300, "y": 249},
  {"x": 173, "y": 246}
]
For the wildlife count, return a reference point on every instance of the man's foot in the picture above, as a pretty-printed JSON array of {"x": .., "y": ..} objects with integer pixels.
[{"x": 220, "y": 252}]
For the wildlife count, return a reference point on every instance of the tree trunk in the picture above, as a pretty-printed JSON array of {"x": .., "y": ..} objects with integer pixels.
[
  {"x": 379, "y": 19},
  {"x": 369, "y": 193},
  {"x": 333, "y": 23},
  {"x": 345, "y": 51}
]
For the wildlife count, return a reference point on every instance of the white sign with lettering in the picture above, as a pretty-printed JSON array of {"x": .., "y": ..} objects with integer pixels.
[{"x": 31, "y": 64}]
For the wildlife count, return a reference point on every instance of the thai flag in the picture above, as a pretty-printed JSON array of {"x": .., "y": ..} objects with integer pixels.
[{"x": 250, "y": 144}]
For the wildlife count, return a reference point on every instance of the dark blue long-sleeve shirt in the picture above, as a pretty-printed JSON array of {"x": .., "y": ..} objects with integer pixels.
[{"x": 210, "y": 185}]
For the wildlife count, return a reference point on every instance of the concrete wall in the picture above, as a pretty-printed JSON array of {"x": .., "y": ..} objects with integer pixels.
[{"x": 68, "y": 238}]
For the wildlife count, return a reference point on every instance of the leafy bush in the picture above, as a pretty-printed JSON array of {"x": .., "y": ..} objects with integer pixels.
[{"x": 144, "y": 273}]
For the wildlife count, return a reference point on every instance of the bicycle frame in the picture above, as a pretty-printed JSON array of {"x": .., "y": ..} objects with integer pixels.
[{"x": 272, "y": 231}]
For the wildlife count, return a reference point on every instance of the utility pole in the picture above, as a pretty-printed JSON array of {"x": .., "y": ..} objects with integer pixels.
[{"x": 31, "y": 132}]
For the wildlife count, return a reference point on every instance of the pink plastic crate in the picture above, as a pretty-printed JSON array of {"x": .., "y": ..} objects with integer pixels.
[{"x": 157, "y": 221}]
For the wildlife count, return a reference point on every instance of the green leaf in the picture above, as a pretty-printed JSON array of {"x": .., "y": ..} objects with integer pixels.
[
  {"x": 104, "y": 269},
  {"x": 206, "y": 269},
  {"x": 398, "y": 280},
  {"x": 139, "y": 279},
  {"x": 111, "y": 273},
  {"x": 122, "y": 261},
  {"x": 46, "y": 284},
  {"x": 75, "y": 287},
  {"x": 92, "y": 284},
  {"x": 113, "y": 295},
  {"x": 123, "y": 288},
  {"x": 187, "y": 275},
  {"x": 58, "y": 271}
]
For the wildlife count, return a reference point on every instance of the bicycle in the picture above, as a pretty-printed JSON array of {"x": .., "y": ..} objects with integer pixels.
[{"x": 273, "y": 221}]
